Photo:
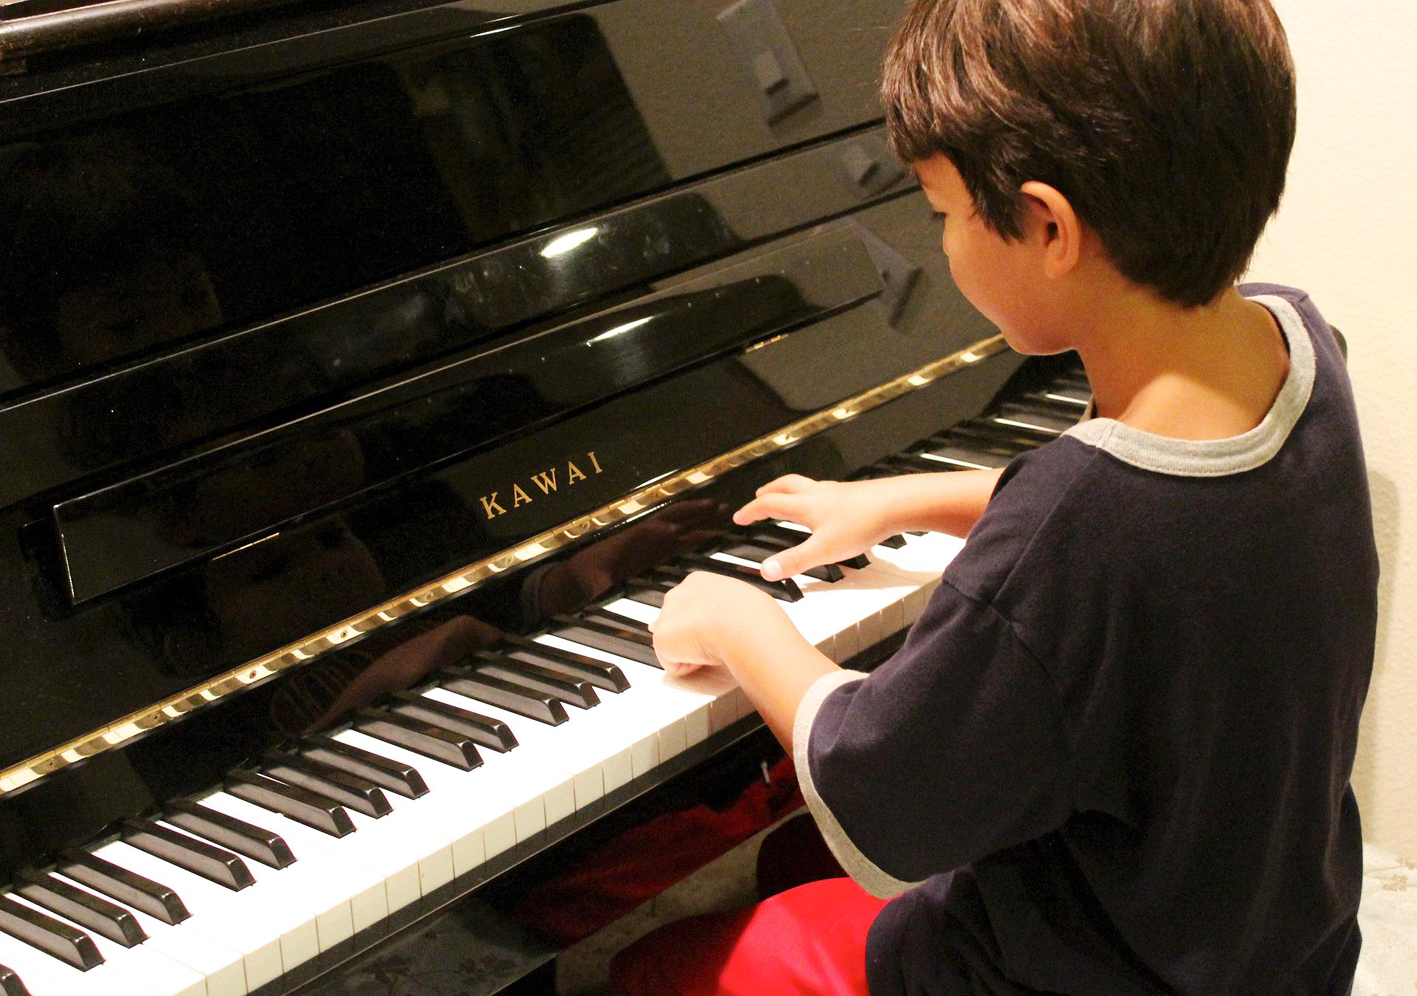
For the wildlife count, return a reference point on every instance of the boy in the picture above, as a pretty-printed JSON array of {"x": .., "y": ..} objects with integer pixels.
[{"x": 1113, "y": 755}]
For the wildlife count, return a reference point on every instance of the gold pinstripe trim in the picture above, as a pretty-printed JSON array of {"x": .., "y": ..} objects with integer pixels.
[{"x": 311, "y": 647}]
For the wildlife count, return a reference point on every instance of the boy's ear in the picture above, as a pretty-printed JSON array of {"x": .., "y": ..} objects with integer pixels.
[{"x": 1053, "y": 220}]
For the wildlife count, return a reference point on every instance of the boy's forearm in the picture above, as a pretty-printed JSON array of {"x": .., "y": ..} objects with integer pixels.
[
  {"x": 949, "y": 502},
  {"x": 775, "y": 667}
]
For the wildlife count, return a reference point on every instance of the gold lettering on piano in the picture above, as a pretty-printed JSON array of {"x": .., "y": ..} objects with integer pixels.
[
  {"x": 313, "y": 646},
  {"x": 544, "y": 480},
  {"x": 490, "y": 506}
]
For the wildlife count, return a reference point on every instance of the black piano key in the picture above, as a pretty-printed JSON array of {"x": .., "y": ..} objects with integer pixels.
[
  {"x": 81, "y": 906},
  {"x": 419, "y": 736},
  {"x": 53, "y": 937},
  {"x": 831, "y": 573},
  {"x": 1076, "y": 398},
  {"x": 990, "y": 430},
  {"x": 1038, "y": 403},
  {"x": 382, "y": 771},
  {"x": 129, "y": 888},
  {"x": 505, "y": 694},
  {"x": 905, "y": 463},
  {"x": 647, "y": 591},
  {"x": 631, "y": 629},
  {"x": 873, "y": 473},
  {"x": 769, "y": 530},
  {"x": 1064, "y": 401},
  {"x": 778, "y": 538},
  {"x": 259, "y": 844},
  {"x": 576, "y": 691},
  {"x": 10, "y": 984},
  {"x": 785, "y": 590},
  {"x": 299, "y": 804},
  {"x": 893, "y": 542},
  {"x": 967, "y": 458},
  {"x": 985, "y": 436},
  {"x": 1075, "y": 379},
  {"x": 359, "y": 794},
  {"x": 215, "y": 864},
  {"x": 595, "y": 635},
  {"x": 599, "y": 673},
  {"x": 748, "y": 550},
  {"x": 483, "y": 730},
  {"x": 1033, "y": 420}
]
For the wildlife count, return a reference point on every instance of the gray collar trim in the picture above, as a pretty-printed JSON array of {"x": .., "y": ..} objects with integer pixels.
[{"x": 1218, "y": 457}]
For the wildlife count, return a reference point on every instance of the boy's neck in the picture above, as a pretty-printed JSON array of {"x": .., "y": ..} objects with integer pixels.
[{"x": 1200, "y": 373}]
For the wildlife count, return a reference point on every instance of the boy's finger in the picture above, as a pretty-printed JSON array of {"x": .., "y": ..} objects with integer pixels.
[
  {"x": 788, "y": 483},
  {"x": 777, "y": 505},
  {"x": 802, "y": 557}
]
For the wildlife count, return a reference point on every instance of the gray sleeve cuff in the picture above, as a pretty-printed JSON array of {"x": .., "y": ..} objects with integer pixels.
[{"x": 861, "y": 868}]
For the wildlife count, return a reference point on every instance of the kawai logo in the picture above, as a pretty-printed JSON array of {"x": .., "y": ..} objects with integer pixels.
[{"x": 543, "y": 483}]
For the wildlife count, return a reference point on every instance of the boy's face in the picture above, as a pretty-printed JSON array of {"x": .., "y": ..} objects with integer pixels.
[{"x": 1003, "y": 279}]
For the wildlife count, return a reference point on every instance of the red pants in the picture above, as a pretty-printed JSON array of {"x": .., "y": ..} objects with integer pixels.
[{"x": 809, "y": 939}]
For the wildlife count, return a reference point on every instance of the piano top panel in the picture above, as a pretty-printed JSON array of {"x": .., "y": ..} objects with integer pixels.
[
  {"x": 156, "y": 208},
  {"x": 179, "y": 403}
]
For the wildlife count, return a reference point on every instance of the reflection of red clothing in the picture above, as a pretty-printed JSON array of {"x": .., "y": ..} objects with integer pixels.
[
  {"x": 806, "y": 938},
  {"x": 810, "y": 939},
  {"x": 645, "y": 860},
  {"x": 802, "y": 940}
]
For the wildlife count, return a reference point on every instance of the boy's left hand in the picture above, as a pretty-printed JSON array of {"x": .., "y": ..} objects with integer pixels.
[{"x": 709, "y": 619}]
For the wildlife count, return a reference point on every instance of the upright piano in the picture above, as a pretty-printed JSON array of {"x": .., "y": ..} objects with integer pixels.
[{"x": 368, "y": 372}]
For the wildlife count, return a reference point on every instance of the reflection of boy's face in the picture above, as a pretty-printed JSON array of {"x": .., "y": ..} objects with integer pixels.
[
  {"x": 150, "y": 302},
  {"x": 294, "y": 582}
]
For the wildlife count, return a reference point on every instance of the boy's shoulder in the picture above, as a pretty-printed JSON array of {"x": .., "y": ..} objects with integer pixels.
[
  {"x": 1107, "y": 507},
  {"x": 1036, "y": 490}
]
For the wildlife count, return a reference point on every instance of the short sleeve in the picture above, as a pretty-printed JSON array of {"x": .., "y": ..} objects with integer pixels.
[{"x": 951, "y": 750}]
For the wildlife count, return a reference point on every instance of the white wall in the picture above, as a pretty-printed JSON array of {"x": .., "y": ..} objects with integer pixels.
[{"x": 1347, "y": 233}]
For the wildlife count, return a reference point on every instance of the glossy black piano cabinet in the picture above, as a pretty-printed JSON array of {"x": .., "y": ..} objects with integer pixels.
[{"x": 304, "y": 315}]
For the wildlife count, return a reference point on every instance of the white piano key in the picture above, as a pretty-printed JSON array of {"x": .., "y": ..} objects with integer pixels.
[
  {"x": 536, "y": 797},
  {"x": 575, "y": 749},
  {"x": 52, "y": 975},
  {"x": 219, "y": 964},
  {"x": 680, "y": 708},
  {"x": 728, "y": 703},
  {"x": 146, "y": 967},
  {"x": 40, "y": 972},
  {"x": 411, "y": 856},
  {"x": 260, "y": 932},
  {"x": 506, "y": 812},
  {"x": 364, "y": 889},
  {"x": 426, "y": 817},
  {"x": 631, "y": 609},
  {"x": 605, "y": 736},
  {"x": 931, "y": 552},
  {"x": 315, "y": 885}
]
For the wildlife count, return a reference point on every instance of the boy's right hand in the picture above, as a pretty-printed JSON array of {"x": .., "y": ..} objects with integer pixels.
[{"x": 844, "y": 518}]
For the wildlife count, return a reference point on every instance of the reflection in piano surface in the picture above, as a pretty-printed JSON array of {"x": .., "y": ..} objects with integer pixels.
[{"x": 367, "y": 375}]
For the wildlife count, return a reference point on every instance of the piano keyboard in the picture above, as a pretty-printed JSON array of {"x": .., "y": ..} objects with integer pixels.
[{"x": 269, "y": 878}]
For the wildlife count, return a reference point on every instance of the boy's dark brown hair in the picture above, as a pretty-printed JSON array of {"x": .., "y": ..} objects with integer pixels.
[{"x": 1166, "y": 123}]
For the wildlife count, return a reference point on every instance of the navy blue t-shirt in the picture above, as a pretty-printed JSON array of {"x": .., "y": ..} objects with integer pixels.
[{"x": 1113, "y": 756}]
